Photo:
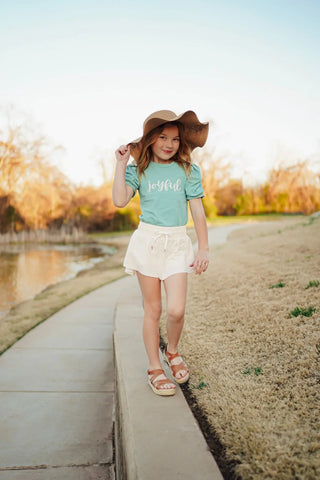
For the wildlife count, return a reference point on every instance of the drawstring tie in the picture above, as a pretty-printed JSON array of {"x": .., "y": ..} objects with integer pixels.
[{"x": 157, "y": 236}]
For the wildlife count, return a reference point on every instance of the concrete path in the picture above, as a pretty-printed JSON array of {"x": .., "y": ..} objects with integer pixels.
[
  {"x": 219, "y": 235},
  {"x": 57, "y": 398},
  {"x": 57, "y": 395}
]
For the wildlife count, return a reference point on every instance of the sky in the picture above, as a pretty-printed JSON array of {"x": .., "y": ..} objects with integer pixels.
[{"x": 88, "y": 73}]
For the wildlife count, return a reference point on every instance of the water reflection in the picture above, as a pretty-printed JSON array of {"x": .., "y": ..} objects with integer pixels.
[{"x": 25, "y": 270}]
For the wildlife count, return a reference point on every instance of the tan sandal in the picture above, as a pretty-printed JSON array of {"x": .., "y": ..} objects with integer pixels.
[
  {"x": 176, "y": 368},
  {"x": 156, "y": 384}
]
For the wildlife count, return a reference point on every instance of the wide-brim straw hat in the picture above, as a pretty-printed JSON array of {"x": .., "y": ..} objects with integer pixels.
[{"x": 196, "y": 133}]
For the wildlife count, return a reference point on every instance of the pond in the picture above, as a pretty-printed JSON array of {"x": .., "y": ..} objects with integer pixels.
[{"x": 26, "y": 269}]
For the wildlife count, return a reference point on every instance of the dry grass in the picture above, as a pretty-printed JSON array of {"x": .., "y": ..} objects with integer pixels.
[{"x": 260, "y": 364}]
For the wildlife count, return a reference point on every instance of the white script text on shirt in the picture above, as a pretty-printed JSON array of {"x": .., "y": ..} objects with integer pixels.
[{"x": 165, "y": 185}]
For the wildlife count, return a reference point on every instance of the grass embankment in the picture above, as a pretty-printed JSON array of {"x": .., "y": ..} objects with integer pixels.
[{"x": 252, "y": 343}]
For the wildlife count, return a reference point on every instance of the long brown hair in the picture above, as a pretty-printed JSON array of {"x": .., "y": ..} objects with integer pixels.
[{"x": 182, "y": 157}]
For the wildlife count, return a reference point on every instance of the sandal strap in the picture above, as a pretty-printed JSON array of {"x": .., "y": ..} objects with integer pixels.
[
  {"x": 177, "y": 368},
  {"x": 159, "y": 383},
  {"x": 171, "y": 356},
  {"x": 155, "y": 373}
]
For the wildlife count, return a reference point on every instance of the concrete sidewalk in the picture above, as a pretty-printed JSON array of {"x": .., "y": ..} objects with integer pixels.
[
  {"x": 57, "y": 398},
  {"x": 57, "y": 395}
]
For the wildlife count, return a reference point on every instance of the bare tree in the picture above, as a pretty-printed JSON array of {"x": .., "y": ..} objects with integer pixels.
[{"x": 28, "y": 181}]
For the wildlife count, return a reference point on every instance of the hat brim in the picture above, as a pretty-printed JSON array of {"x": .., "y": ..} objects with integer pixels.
[{"x": 196, "y": 133}]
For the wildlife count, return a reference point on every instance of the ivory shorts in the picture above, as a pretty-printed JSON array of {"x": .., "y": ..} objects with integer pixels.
[{"x": 159, "y": 251}]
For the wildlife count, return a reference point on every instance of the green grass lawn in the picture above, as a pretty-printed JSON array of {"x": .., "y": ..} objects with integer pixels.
[{"x": 107, "y": 235}]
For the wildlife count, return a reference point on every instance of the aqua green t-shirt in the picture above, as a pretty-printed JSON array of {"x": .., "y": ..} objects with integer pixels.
[{"x": 164, "y": 190}]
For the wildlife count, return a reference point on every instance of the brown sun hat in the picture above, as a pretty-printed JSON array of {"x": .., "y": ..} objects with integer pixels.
[{"x": 196, "y": 133}]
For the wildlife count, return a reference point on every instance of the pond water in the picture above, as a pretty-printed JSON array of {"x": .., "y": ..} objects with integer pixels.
[{"x": 26, "y": 269}]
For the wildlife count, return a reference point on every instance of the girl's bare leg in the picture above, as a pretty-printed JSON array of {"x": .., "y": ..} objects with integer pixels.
[
  {"x": 176, "y": 293},
  {"x": 151, "y": 292}
]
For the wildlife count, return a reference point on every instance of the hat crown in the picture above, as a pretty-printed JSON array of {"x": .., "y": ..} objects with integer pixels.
[{"x": 164, "y": 115}]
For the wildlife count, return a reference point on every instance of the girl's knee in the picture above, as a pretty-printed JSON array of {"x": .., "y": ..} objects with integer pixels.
[{"x": 176, "y": 313}]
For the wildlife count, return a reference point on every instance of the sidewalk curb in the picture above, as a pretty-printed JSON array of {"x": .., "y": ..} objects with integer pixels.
[{"x": 156, "y": 437}]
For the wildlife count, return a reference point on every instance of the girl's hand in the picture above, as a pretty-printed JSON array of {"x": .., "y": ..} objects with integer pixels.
[
  {"x": 123, "y": 153},
  {"x": 201, "y": 262}
]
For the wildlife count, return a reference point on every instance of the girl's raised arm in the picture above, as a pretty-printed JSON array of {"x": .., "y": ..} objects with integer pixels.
[{"x": 121, "y": 192}]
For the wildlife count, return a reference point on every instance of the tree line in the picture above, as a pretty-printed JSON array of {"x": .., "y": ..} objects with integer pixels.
[
  {"x": 289, "y": 188},
  {"x": 35, "y": 194}
]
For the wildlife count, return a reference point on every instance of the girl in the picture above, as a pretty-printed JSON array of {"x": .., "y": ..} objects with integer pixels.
[{"x": 160, "y": 250}]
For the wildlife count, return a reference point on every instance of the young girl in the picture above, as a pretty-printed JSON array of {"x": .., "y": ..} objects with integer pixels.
[{"x": 160, "y": 250}]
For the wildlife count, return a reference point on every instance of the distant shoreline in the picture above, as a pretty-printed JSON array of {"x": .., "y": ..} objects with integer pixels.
[
  {"x": 28, "y": 314},
  {"x": 72, "y": 262}
]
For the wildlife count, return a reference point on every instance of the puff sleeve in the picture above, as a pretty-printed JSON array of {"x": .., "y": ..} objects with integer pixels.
[
  {"x": 132, "y": 177},
  {"x": 193, "y": 186}
]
